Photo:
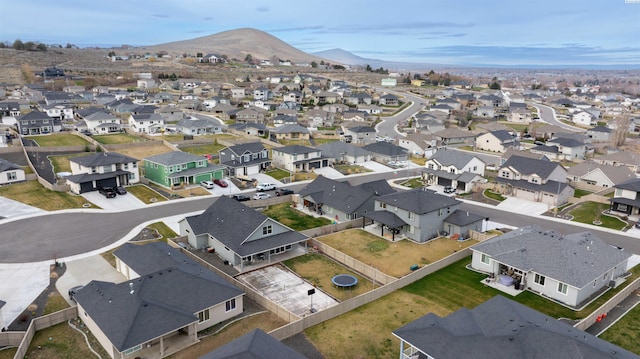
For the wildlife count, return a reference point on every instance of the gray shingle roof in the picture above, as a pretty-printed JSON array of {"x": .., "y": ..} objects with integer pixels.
[
  {"x": 298, "y": 149},
  {"x": 446, "y": 157},
  {"x": 362, "y": 129},
  {"x": 254, "y": 345},
  {"x": 174, "y": 158},
  {"x": 339, "y": 195},
  {"x": 632, "y": 185},
  {"x": 501, "y": 328},
  {"x": 102, "y": 159},
  {"x": 529, "y": 166},
  {"x": 336, "y": 148},
  {"x": 139, "y": 310},
  {"x": 251, "y": 147},
  {"x": 291, "y": 128},
  {"x": 7, "y": 166},
  {"x": 575, "y": 259},
  {"x": 386, "y": 148},
  {"x": 503, "y": 135},
  {"x": 418, "y": 201},
  {"x": 463, "y": 218}
]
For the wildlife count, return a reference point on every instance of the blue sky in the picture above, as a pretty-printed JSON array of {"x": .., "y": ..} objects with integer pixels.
[{"x": 457, "y": 32}]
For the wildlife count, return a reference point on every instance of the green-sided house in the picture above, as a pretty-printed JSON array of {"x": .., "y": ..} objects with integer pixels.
[{"x": 179, "y": 168}]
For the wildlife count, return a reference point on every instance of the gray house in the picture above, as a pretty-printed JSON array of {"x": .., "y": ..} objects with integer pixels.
[
  {"x": 245, "y": 159},
  {"x": 199, "y": 126},
  {"x": 500, "y": 328},
  {"x": 572, "y": 269},
  {"x": 417, "y": 214},
  {"x": 239, "y": 234},
  {"x": 387, "y": 152},
  {"x": 345, "y": 152},
  {"x": 362, "y": 135}
]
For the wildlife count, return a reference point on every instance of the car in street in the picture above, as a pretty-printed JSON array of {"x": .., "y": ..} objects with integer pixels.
[
  {"x": 73, "y": 291},
  {"x": 241, "y": 197},
  {"x": 265, "y": 187},
  {"x": 449, "y": 189},
  {"x": 108, "y": 192},
  {"x": 261, "y": 196},
  {"x": 283, "y": 191},
  {"x": 207, "y": 184},
  {"x": 121, "y": 190},
  {"x": 220, "y": 183}
]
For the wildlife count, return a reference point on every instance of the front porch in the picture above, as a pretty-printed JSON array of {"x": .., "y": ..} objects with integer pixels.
[{"x": 164, "y": 346}]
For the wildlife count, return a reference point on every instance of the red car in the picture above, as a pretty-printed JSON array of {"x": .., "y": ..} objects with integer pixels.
[{"x": 220, "y": 183}]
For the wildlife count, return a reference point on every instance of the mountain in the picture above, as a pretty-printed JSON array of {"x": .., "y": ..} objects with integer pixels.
[
  {"x": 237, "y": 44},
  {"x": 347, "y": 58}
]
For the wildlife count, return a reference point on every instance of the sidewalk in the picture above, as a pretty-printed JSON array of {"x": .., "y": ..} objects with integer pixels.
[{"x": 615, "y": 314}]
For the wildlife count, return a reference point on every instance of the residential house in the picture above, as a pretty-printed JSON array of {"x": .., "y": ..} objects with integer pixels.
[
  {"x": 370, "y": 109},
  {"x": 626, "y": 198},
  {"x": 37, "y": 123},
  {"x": 496, "y": 141},
  {"x": 385, "y": 152},
  {"x": 146, "y": 123},
  {"x": 98, "y": 121},
  {"x": 452, "y": 136},
  {"x": 262, "y": 93},
  {"x": 336, "y": 108},
  {"x": 572, "y": 269},
  {"x": 294, "y": 96},
  {"x": 9, "y": 109},
  {"x": 121, "y": 106},
  {"x": 361, "y": 135},
  {"x": 10, "y": 172},
  {"x": 339, "y": 200},
  {"x": 291, "y": 132},
  {"x": 486, "y": 111},
  {"x": 249, "y": 128},
  {"x": 359, "y": 98},
  {"x": 418, "y": 144},
  {"x": 446, "y": 109},
  {"x": 240, "y": 235},
  {"x": 600, "y": 134},
  {"x": 389, "y": 100},
  {"x": 491, "y": 101},
  {"x": 319, "y": 118},
  {"x": 584, "y": 118},
  {"x": 534, "y": 180},
  {"x": 500, "y": 328},
  {"x": 389, "y": 82},
  {"x": 345, "y": 152},
  {"x": 255, "y": 344},
  {"x": 59, "y": 111},
  {"x": 281, "y": 120},
  {"x": 178, "y": 168},
  {"x": 158, "y": 313},
  {"x": 298, "y": 158},
  {"x": 568, "y": 149},
  {"x": 428, "y": 123},
  {"x": 355, "y": 116},
  {"x": 520, "y": 115},
  {"x": 245, "y": 159},
  {"x": 171, "y": 114},
  {"x": 595, "y": 177},
  {"x": 105, "y": 169},
  {"x": 200, "y": 126},
  {"x": 452, "y": 103},
  {"x": 454, "y": 168},
  {"x": 254, "y": 114},
  {"x": 622, "y": 158},
  {"x": 322, "y": 98},
  {"x": 417, "y": 214}
]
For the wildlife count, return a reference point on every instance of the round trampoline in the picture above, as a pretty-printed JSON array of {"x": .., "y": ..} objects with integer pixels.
[{"x": 344, "y": 281}]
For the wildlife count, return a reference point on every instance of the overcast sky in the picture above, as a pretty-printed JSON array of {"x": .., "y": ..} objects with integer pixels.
[{"x": 455, "y": 32}]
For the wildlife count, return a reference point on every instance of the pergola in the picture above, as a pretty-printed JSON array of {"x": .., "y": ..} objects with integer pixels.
[{"x": 387, "y": 219}]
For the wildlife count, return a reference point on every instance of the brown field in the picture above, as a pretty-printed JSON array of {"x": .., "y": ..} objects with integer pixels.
[
  {"x": 144, "y": 151},
  {"x": 392, "y": 258}
]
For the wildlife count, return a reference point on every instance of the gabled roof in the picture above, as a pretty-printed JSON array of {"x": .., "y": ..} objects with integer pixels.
[
  {"x": 174, "y": 158},
  {"x": 447, "y": 157},
  {"x": 362, "y": 129},
  {"x": 254, "y": 345},
  {"x": 139, "y": 310},
  {"x": 566, "y": 142},
  {"x": 336, "y": 148},
  {"x": 251, "y": 147},
  {"x": 339, "y": 195},
  {"x": 418, "y": 201},
  {"x": 503, "y": 135},
  {"x": 529, "y": 166},
  {"x": 34, "y": 115},
  {"x": 8, "y": 166},
  {"x": 297, "y": 149},
  {"x": 631, "y": 185},
  {"x": 102, "y": 159},
  {"x": 501, "y": 328},
  {"x": 291, "y": 128},
  {"x": 385, "y": 148},
  {"x": 463, "y": 218},
  {"x": 231, "y": 223},
  {"x": 624, "y": 157},
  {"x": 617, "y": 174},
  {"x": 453, "y": 132},
  {"x": 575, "y": 259}
]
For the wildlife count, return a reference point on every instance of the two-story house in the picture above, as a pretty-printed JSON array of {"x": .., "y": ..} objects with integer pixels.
[
  {"x": 106, "y": 169},
  {"x": 626, "y": 198},
  {"x": 319, "y": 118},
  {"x": 37, "y": 123},
  {"x": 568, "y": 149},
  {"x": 245, "y": 159},
  {"x": 496, "y": 141},
  {"x": 178, "y": 168},
  {"x": 98, "y": 121},
  {"x": 146, "y": 123},
  {"x": 454, "y": 168},
  {"x": 534, "y": 180},
  {"x": 361, "y": 135},
  {"x": 298, "y": 158},
  {"x": 254, "y": 114},
  {"x": 389, "y": 100}
]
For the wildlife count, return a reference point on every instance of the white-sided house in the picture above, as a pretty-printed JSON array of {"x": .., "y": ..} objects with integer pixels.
[
  {"x": 200, "y": 126},
  {"x": 496, "y": 141},
  {"x": 454, "y": 168},
  {"x": 10, "y": 172},
  {"x": 296, "y": 158},
  {"x": 105, "y": 169},
  {"x": 584, "y": 118},
  {"x": 99, "y": 121},
  {"x": 572, "y": 269},
  {"x": 146, "y": 122},
  {"x": 240, "y": 235}
]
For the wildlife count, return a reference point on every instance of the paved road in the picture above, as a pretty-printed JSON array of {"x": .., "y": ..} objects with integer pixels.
[
  {"x": 548, "y": 115},
  {"x": 388, "y": 126}
]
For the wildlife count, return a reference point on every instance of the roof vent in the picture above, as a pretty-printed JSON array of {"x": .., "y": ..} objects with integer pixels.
[{"x": 131, "y": 286}]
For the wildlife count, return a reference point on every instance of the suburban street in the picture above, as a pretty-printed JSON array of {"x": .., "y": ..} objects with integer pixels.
[
  {"x": 388, "y": 126},
  {"x": 548, "y": 115}
]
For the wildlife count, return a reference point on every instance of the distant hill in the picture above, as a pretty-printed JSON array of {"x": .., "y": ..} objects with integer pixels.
[
  {"x": 347, "y": 58},
  {"x": 237, "y": 44}
]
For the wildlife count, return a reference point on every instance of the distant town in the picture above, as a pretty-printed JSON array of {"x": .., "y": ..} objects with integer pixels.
[{"x": 164, "y": 203}]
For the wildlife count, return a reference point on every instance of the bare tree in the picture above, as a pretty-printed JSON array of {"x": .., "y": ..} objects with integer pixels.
[{"x": 622, "y": 128}]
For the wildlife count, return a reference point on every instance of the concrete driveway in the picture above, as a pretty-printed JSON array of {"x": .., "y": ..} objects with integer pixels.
[
  {"x": 523, "y": 206},
  {"x": 83, "y": 271},
  {"x": 127, "y": 201},
  {"x": 230, "y": 189},
  {"x": 10, "y": 208},
  {"x": 21, "y": 284},
  {"x": 376, "y": 166},
  {"x": 329, "y": 172}
]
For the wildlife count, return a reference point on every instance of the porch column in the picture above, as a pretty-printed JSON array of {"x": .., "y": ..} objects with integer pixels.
[
  {"x": 161, "y": 347},
  {"x": 382, "y": 230},
  {"x": 363, "y": 223}
]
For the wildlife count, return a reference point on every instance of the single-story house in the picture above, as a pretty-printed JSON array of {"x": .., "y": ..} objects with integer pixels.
[
  {"x": 387, "y": 152},
  {"x": 10, "y": 172},
  {"x": 254, "y": 345}
]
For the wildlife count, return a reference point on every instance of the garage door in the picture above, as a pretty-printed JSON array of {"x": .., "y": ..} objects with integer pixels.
[
  {"x": 86, "y": 187},
  {"x": 444, "y": 181},
  {"x": 107, "y": 182}
]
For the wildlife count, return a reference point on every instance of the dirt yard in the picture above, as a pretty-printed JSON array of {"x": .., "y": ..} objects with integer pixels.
[
  {"x": 392, "y": 258},
  {"x": 144, "y": 151}
]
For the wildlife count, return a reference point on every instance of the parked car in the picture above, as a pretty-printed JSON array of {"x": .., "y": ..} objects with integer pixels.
[
  {"x": 240, "y": 197},
  {"x": 449, "y": 189},
  {"x": 265, "y": 187},
  {"x": 220, "y": 183},
  {"x": 121, "y": 190},
  {"x": 207, "y": 184},
  {"x": 108, "y": 192},
  {"x": 638, "y": 225},
  {"x": 283, "y": 191},
  {"x": 73, "y": 291},
  {"x": 261, "y": 196}
]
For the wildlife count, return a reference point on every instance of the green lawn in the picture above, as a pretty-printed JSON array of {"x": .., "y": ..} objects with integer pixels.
[
  {"x": 626, "y": 332},
  {"x": 61, "y": 162},
  {"x": 578, "y": 193},
  {"x": 278, "y": 174},
  {"x": 59, "y": 139},
  {"x": 118, "y": 138},
  {"x": 322, "y": 141},
  {"x": 586, "y": 213},
  {"x": 413, "y": 183},
  {"x": 293, "y": 218},
  {"x": 490, "y": 194},
  {"x": 164, "y": 230},
  {"x": 34, "y": 194},
  {"x": 145, "y": 194}
]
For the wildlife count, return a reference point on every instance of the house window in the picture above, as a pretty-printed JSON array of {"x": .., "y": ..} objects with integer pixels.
[
  {"x": 440, "y": 211},
  {"x": 267, "y": 230},
  {"x": 230, "y": 304},
  {"x": 504, "y": 174},
  {"x": 11, "y": 176},
  {"x": 485, "y": 259},
  {"x": 184, "y": 166},
  {"x": 93, "y": 170},
  {"x": 155, "y": 165},
  {"x": 539, "y": 279},
  {"x": 203, "y": 316},
  {"x": 411, "y": 216},
  {"x": 383, "y": 205},
  {"x": 562, "y": 288}
]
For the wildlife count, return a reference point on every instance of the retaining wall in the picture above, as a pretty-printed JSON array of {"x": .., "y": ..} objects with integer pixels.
[{"x": 606, "y": 307}]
